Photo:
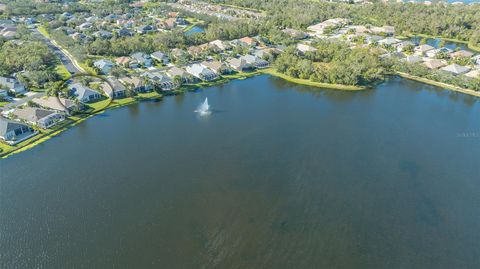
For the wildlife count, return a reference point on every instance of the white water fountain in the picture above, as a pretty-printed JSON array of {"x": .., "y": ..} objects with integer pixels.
[{"x": 203, "y": 108}]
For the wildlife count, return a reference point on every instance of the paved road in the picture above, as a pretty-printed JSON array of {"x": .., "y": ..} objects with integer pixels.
[
  {"x": 64, "y": 58},
  {"x": 29, "y": 96}
]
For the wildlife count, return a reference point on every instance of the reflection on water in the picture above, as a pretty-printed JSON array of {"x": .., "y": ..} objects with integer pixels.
[{"x": 272, "y": 179}]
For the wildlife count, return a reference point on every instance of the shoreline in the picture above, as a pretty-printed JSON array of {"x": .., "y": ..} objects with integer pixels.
[
  {"x": 75, "y": 120},
  {"x": 307, "y": 82},
  {"x": 469, "y": 46},
  {"x": 439, "y": 84}
]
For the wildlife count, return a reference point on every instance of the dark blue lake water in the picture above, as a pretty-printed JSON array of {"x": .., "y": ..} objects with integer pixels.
[{"x": 279, "y": 176}]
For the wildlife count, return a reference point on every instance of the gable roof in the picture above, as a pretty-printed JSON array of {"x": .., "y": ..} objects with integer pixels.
[
  {"x": 456, "y": 69},
  {"x": 32, "y": 114},
  {"x": 9, "y": 125}
]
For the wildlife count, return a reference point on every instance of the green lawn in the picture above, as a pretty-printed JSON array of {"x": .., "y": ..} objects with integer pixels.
[
  {"x": 307, "y": 82},
  {"x": 43, "y": 31},
  {"x": 3, "y": 103},
  {"x": 62, "y": 71}
]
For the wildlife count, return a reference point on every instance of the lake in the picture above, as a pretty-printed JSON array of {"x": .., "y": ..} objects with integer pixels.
[
  {"x": 278, "y": 176},
  {"x": 195, "y": 30}
]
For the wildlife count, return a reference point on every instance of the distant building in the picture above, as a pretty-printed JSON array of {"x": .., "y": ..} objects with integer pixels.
[
  {"x": 160, "y": 56},
  {"x": 303, "y": 48},
  {"x": 105, "y": 66},
  {"x": 319, "y": 28},
  {"x": 142, "y": 59},
  {"x": 12, "y": 84}
]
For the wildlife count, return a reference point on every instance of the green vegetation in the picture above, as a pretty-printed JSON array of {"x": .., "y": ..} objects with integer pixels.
[
  {"x": 312, "y": 83},
  {"x": 34, "y": 60},
  {"x": 62, "y": 72},
  {"x": 332, "y": 63}
]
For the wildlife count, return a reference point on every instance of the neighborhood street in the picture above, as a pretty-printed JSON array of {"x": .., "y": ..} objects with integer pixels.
[
  {"x": 66, "y": 59},
  {"x": 20, "y": 101}
]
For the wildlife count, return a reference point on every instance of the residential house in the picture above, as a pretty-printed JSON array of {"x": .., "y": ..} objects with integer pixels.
[
  {"x": 12, "y": 85},
  {"x": 160, "y": 80},
  {"x": 160, "y": 56},
  {"x": 40, "y": 117},
  {"x": 455, "y": 69},
  {"x": 295, "y": 34},
  {"x": 142, "y": 59},
  {"x": 319, "y": 28},
  {"x": 170, "y": 23},
  {"x": 136, "y": 84},
  {"x": 78, "y": 36},
  {"x": 373, "y": 39},
  {"x": 103, "y": 34},
  {"x": 433, "y": 53},
  {"x": 176, "y": 71},
  {"x": 473, "y": 74},
  {"x": 58, "y": 104},
  {"x": 255, "y": 61},
  {"x": 114, "y": 89},
  {"x": 201, "y": 72},
  {"x": 13, "y": 132},
  {"x": 217, "y": 67},
  {"x": 412, "y": 59},
  {"x": 145, "y": 29},
  {"x": 461, "y": 53},
  {"x": 220, "y": 45},
  {"x": 304, "y": 48},
  {"x": 123, "y": 61},
  {"x": 85, "y": 26},
  {"x": 196, "y": 51},
  {"x": 389, "y": 41},
  {"x": 124, "y": 32},
  {"x": 248, "y": 41},
  {"x": 404, "y": 44},
  {"x": 104, "y": 66},
  {"x": 239, "y": 64},
  {"x": 423, "y": 49},
  {"x": 83, "y": 93},
  {"x": 434, "y": 63}
]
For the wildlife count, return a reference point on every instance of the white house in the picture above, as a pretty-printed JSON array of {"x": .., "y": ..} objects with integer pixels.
[
  {"x": 13, "y": 132},
  {"x": 40, "y": 117},
  {"x": 83, "y": 93},
  {"x": 105, "y": 66},
  {"x": 201, "y": 72}
]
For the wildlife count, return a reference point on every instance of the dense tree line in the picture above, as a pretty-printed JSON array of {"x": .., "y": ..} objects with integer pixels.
[
  {"x": 333, "y": 62},
  {"x": 33, "y": 61},
  {"x": 451, "y": 21}
]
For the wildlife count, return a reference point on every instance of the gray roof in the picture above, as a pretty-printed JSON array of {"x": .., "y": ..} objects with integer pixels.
[
  {"x": 55, "y": 103},
  {"x": 32, "y": 114},
  {"x": 81, "y": 91},
  {"x": 9, "y": 125},
  {"x": 456, "y": 69}
]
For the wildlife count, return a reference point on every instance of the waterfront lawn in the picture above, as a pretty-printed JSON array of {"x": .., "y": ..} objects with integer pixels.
[{"x": 307, "y": 82}]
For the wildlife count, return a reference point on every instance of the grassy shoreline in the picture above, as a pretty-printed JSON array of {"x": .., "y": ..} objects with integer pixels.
[
  {"x": 72, "y": 121},
  {"x": 307, "y": 82},
  {"x": 439, "y": 84},
  {"x": 44, "y": 135}
]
